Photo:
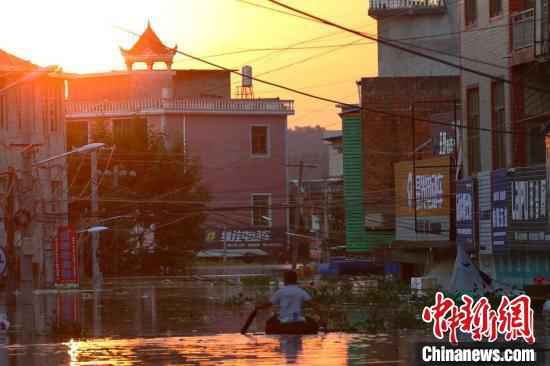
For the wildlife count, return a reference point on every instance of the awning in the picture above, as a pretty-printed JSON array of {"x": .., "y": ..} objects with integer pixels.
[{"x": 422, "y": 244}]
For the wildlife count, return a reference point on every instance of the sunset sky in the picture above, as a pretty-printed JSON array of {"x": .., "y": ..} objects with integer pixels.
[{"x": 82, "y": 36}]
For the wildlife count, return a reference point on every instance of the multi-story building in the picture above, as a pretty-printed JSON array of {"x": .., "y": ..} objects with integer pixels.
[
  {"x": 390, "y": 127},
  {"x": 32, "y": 128},
  {"x": 429, "y": 26},
  {"x": 485, "y": 48},
  {"x": 240, "y": 143},
  {"x": 502, "y": 214}
]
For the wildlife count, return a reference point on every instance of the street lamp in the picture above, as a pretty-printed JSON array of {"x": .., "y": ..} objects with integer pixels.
[
  {"x": 93, "y": 229},
  {"x": 79, "y": 150},
  {"x": 97, "y": 275},
  {"x": 85, "y": 149}
]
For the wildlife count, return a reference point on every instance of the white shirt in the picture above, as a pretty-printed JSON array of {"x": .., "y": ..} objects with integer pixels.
[{"x": 290, "y": 300}]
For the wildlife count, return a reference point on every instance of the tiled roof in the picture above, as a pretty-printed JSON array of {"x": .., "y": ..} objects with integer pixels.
[
  {"x": 9, "y": 62},
  {"x": 148, "y": 43}
]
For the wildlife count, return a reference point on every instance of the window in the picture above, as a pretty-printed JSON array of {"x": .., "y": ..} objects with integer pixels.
[
  {"x": 259, "y": 140},
  {"x": 130, "y": 135},
  {"x": 474, "y": 158},
  {"x": 77, "y": 134},
  {"x": 3, "y": 113},
  {"x": 498, "y": 115},
  {"x": 495, "y": 8},
  {"x": 470, "y": 12},
  {"x": 536, "y": 147},
  {"x": 261, "y": 209},
  {"x": 51, "y": 108}
]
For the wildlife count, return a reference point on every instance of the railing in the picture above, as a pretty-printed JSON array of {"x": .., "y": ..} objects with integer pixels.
[
  {"x": 523, "y": 29},
  {"x": 199, "y": 105},
  {"x": 405, "y": 4}
]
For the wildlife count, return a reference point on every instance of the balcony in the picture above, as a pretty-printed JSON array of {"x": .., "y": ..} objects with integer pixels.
[
  {"x": 123, "y": 108},
  {"x": 388, "y": 8},
  {"x": 523, "y": 36}
]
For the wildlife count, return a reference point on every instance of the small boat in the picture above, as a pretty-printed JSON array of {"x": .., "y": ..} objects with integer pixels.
[{"x": 274, "y": 326}]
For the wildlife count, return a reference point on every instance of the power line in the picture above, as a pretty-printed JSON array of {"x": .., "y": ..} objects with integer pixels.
[
  {"x": 345, "y": 104},
  {"x": 389, "y": 43}
]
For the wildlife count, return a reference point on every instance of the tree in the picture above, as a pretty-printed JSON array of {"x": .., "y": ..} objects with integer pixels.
[{"x": 162, "y": 192}]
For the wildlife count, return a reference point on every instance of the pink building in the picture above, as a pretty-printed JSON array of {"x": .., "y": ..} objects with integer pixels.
[
  {"x": 239, "y": 143},
  {"x": 32, "y": 128}
]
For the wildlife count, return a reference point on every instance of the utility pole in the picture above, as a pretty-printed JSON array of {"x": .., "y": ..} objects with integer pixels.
[
  {"x": 326, "y": 231},
  {"x": 224, "y": 245},
  {"x": 28, "y": 245},
  {"x": 8, "y": 300},
  {"x": 413, "y": 135},
  {"x": 96, "y": 273},
  {"x": 299, "y": 208}
]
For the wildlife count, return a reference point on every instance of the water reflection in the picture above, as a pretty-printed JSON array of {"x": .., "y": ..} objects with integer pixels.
[
  {"x": 227, "y": 349},
  {"x": 290, "y": 347},
  {"x": 188, "y": 324}
]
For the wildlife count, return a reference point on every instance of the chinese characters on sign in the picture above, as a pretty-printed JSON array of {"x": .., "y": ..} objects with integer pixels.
[
  {"x": 499, "y": 207},
  {"x": 66, "y": 264},
  {"x": 464, "y": 213},
  {"x": 244, "y": 238},
  {"x": 513, "y": 318},
  {"x": 446, "y": 143},
  {"x": 246, "y": 235},
  {"x": 527, "y": 220},
  {"x": 529, "y": 200},
  {"x": 428, "y": 189}
]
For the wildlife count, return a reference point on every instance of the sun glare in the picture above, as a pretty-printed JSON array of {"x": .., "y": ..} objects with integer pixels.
[{"x": 85, "y": 36}]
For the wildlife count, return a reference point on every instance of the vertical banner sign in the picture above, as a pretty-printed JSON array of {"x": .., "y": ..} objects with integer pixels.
[
  {"x": 464, "y": 213},
  {"x": 499, "y": 208},
  {"x": 66, "y": 262},
  {"x": 443, "y": 135},
  {"x": 528, "y": 225}
]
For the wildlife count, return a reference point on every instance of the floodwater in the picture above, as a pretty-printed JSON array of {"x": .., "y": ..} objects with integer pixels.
[
  {"x": 227, "y": 349},
  {"x": 174, "y": 324}
]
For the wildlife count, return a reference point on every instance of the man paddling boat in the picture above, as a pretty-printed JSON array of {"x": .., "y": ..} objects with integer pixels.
[{"x": 290, "y": 301}]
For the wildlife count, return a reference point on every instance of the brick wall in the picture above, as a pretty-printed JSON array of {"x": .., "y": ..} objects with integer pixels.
[{"x": 387, "y": 136}]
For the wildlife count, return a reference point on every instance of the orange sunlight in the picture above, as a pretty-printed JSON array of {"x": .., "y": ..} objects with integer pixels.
[{"x": 82, "y": 36}]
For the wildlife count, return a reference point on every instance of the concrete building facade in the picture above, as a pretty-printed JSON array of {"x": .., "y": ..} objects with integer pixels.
[
  {"x": 485, "y": 47},
  {"x": 428, "y": 26},
  {"x": 32, "y": 128},
  {"x": 240, "y": 144}
]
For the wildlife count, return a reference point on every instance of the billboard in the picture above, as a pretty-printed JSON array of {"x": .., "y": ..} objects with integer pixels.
[
  {"x": 527, "y": 207},
  {"x": 465, "y": 213},
  {"x": 259, "y": 241},
  {"x": 499, "y": 208},
  {"x": 424, "y": 187},
  {"x": 66, "y": 257}
]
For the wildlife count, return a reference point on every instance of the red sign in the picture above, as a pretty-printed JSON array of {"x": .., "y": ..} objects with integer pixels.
[
  {"x": 66, "y": 256},
  {"x": 513, "y": 318}
]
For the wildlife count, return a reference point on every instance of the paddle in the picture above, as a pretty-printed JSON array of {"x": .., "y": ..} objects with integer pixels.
[{"x": 248, "y": 321}]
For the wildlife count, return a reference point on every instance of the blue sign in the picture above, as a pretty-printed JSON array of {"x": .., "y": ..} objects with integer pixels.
[
  {"x": 499, "y": 208},
  {"x": 465, "y": 213},
  {"x": 3, "y": 261}
]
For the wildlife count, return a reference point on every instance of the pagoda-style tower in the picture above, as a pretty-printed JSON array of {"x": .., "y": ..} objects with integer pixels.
[{"x": 149, "y": 49}]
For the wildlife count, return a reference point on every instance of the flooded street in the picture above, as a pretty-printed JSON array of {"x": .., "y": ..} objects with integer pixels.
[
  {"x": 175, "y": 324},
  {"x": 330, "y": 349}
]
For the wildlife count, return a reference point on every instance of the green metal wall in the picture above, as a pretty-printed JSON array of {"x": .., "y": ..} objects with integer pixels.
[
  {"x": 353, "y": 183},
  {"x": 358, "y": 239}
]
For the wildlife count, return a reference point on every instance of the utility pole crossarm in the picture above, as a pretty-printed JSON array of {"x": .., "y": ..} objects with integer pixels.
[{"x": 299, "y": 207}]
